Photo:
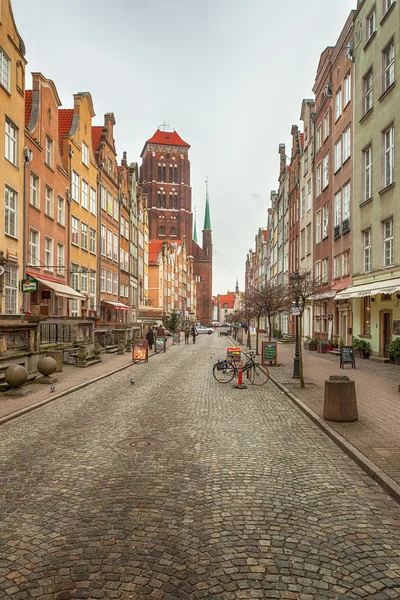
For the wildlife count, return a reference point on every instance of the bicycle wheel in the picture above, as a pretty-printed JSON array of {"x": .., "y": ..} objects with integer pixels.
[
  {"x": 224, "y": 375},
  {"x": 258, "y": 375}
]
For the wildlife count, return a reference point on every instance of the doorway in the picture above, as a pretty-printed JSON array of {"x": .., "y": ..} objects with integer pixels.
[{"x": 386, "y": 331}]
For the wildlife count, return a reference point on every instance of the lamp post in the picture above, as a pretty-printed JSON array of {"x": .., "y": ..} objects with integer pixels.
[{"x": 295, "y": 311}]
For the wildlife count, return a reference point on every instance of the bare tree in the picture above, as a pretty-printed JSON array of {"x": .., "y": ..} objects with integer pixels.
[
  {"x": 273, "y": 299},
  {"x": 249, "y": 312},
  {"x": 302, "y": 288}
]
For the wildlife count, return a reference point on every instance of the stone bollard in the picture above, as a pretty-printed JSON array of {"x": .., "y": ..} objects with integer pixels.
[
  {"x": 46, "y": 366},
  {"x": 16, "y": 376},
  {"x": 340, "y": 402}
]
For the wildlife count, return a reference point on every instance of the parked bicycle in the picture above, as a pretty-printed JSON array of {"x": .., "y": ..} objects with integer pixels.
[{"x": 225, "y": 370}]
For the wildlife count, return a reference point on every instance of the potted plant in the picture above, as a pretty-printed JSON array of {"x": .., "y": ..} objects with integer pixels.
[
  {"x": 329, "y": 346},
  {"x": 393, "y": 351},
  {"x": 324, "y": 346},
  {"x": 309, "y": 344},
  {"x": 362, "y": 346},
  {"x": 335, "y": 343}
]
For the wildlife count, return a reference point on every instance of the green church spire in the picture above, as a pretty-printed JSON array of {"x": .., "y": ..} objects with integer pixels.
[
  {"x": 195, "y": 228},
  {"x": 207, "y": 218}
]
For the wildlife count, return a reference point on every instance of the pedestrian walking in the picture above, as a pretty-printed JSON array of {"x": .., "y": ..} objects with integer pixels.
[
  {"x": 194, "y": 333},
  {"x": 160, "y": 331},
  {"x": 187, "y": 334},
  {"x": 150, "y": 338}
]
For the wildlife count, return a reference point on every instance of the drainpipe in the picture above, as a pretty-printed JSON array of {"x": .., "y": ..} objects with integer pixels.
[
  {"x": 28, "y": 156},
  {"x": 69, "y": 200},
  {"x": 98, "y": 280}
]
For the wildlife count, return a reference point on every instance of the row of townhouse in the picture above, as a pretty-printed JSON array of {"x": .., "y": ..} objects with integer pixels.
[
  {"x": 335, "y": 211},
  {"x": 74, "y": 239}
]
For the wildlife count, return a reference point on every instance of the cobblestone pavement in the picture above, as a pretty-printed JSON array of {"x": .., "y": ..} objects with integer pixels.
[{"x": 180, "y": 487}]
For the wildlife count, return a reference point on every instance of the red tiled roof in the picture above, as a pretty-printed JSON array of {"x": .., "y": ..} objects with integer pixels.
[
  {"x": 228, "y": 299},
  {"x": 96, "y": 135},
  {"x": 65, "y": 118},
  {"x": 28, "y": 106},
  {"x": 169, "y": 138}
]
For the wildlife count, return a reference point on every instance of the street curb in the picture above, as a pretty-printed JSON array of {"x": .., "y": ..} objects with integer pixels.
[
  {"x": 71, "y": 390},
  {"x": 387, "y": 483}
]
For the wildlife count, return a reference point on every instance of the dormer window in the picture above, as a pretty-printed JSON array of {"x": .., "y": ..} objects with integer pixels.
[{"x": 49, "y": 151}]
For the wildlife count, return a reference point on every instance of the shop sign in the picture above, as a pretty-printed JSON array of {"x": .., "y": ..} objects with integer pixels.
[{"x": 30, "y": 285}]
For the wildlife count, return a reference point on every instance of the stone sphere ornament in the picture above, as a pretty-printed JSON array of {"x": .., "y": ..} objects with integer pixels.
[
  {"x": 47, "y": 366},
  {"x": 16, "y": 376}
]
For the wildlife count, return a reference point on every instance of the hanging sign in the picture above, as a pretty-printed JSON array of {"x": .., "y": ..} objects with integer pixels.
[{"x": 30, "y": 284}]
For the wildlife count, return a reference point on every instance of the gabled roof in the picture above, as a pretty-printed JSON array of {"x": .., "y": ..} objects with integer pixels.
[
  {"x": 65, "y": 118},
  {"x": 97, "y": 130},
  {"x": 28, "y": 106},
  {"x": 228, "y": 299},
  {"x": 166, "y": 138}
]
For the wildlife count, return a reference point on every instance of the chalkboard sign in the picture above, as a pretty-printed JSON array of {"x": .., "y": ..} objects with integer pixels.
[
  {"x": 347, "y": 357},
  {"x": 160, "y": 344},
  {"x": 269, "y": 352},
  {"x": 176, "y": 338},
  {"x": 140, "y": 351}
]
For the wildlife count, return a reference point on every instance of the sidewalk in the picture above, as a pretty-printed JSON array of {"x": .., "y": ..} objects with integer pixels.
[{"x": 70, "y": 379}]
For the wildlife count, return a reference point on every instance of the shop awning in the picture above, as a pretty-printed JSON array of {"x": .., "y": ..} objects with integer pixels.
[
  {"x": 117, "y": 305},
  {"x": 60, "y": 289},
  {"x": 386, "y": 286},
  {"x": 323, "y": 295}
]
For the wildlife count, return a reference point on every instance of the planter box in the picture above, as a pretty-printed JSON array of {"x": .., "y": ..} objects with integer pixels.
[
  {"x": 397, "y": 360},
  {"x": 329, "y": 347},
  {"x": 310, "y": 346}
]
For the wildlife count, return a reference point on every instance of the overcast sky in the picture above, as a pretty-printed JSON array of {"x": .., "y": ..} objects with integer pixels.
[{"x": 228, "y": 75}]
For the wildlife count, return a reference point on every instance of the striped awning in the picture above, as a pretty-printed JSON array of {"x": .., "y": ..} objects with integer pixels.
[{"x": 373, "y": 288}]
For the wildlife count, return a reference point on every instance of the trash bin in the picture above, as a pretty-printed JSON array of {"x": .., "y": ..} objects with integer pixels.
[{"x": 340, "y": 402}]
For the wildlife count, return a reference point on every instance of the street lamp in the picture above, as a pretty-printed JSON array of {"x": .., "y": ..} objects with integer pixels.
[{"x": 295, "y": 311}]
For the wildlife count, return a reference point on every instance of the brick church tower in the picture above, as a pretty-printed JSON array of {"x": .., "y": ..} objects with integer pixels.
[{"x": 165, "y": 172}]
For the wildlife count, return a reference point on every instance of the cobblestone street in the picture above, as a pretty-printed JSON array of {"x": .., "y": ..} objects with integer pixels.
[{"x": 180, "y": 487}]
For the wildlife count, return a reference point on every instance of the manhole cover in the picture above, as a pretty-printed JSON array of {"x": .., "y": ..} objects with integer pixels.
[
  {"x": 139, "y": 443},
  {"x": 135, "y": 445}
]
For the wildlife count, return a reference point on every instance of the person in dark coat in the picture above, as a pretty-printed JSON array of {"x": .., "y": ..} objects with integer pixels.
[
  {"x": 150, "y": 338},
  {"x": 187, "y": 334},
  {"x": 194, "y": 333}
]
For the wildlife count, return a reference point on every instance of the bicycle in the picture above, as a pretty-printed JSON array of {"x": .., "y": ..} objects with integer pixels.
[{"x": 225, "y": 370}]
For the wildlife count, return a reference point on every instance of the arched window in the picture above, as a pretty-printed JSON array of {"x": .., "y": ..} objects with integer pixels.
[
  {"x": 171, "y": 201},
  {"x": 164, "y": 173},
  {"x": 159, "y": 200},
  {"x": 176, "y": 201},
  {"x": 161, "y": 230},
  {"x": 164, "y": 200},
  {"x": 171, "y": 173},
  {"x": 159, "y": 172},
  {"x": 175, "y": 173},
  {"x": 173, "y": 231}
]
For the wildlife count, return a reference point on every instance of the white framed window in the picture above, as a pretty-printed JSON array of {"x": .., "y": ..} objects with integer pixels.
[
  {"x": 49, "y": 151},
  {"x": 387, "y": 4},
  {"x": 325, "y": 171},
  {"x": 338, "y": 208},
  {"x": 84, "y": 236},
  {"x": 75, "y": 277},
  {"x": 11, "y": 142},
  {"x": 109, "y": 282},
  {"x": 61, "y": 210},
  {"x": 10, "y": 212},
  {"x": 318, "y": 227},
  {"x": 325, "y": 221},
  {"x": 76, "y": 187},
  {"x": 4, "y": 70},
  {"x": 318, "y": 179},
  {"x": 388, "y": 243},
  {"x": 115, "y": 284},
  {"x": 92, "y": 289},
  {"x": 368, "y": 91},
  {"x": 347, "y": 89},
  {"x": 84, "y": 280},
  {"x": 74, "y": 307},
  {"x": 121, "y": 258},
  {"x": 318, "y": 138},
  {"x": 127, "y": 230},
  {"x": 109, "y": 166},
  {"x": 115, "y": 247},
  {"x": 109, "y": 243},
  {"x": 92, "y": 242},
  {"x": 85, "y": 154},
  {"x": 345, "y": 263},
  {"x": 122, "y": 226},
  {"x": 116, "y": 210},
  {"x": 103, "y": 280},
  {"x": 121, "y": 290},
  {"x": 346, "y": 201},
  {"x": 85, "y": 194},
  {"x": 318, "y": 272},
  {"x": 388, "y": 65},
  {"x": 309, "y": 194},
  {"x": 75, "y": 231},
  {"x": 110, "y": 204},
  {"x": 48, "y": 253},
  {"x": 306, "y": 161},
  {"x": 302, "y": 243},
  {"x": 325, "y": 124},
  {"x": 388, "y": 176},
  {"x": 34, "y": 248},
  {"x": 303, "y": 201},
  {"x": 346, "y": 144},
  {"x": 308, "y": 247},
  {"x": 103, "y": 242},
  {"x": 337, "y": 264},
  {"x": 371, "y": 23},
  {"x": 338, "y": 155},
  {"x": 324, "y": 267},
  {"x": 34, "y": 191},
  {"x": 338, "y": 104},
  {"x": 103, "y": 197},
  {"x": 367, "y": 250},
  {"x": 60, "y": 259},
  {"x": 48, "y": 201},
  {"x": 10, "y": 286},
  {"x": 367, "y": 160},
  {"x": 126, "y": 261}
]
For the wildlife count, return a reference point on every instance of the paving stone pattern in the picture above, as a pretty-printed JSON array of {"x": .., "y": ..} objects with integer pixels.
[{"x": 178, "y": 487}]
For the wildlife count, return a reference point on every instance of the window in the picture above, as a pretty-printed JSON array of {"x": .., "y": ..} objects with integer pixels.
[
  {"x": 318, "y": 180},
  {"x": 92, "y": 241},
  {"x": 318, "y": 272},
  {"x": 366, "y": 310},
  {"x": 4, "y": 70},
  {"x": 116, "y": 211},
  {"x": 306, "y": 162},
  {"x": 60, "y": 259},
  {"x": 338, "y": 155},
  {"x": 122, "y": 226},
  {"x": 325, "y": 221},
  {"x": 48, "y": 253},
  {"x": 303, "y": 201},
  {"x": 85, "y": 154},
  {"x": 109, "y": 204},
  {"x": 34, "y": 190},
  {"x": 115, "y": 247},
  {"x": 346, "y": 144},
  {"x": 121, "y": 258},
  {"x": 49, "y": 151},
  {"x": 326, "y": 125},
  {"x": 109, "y": 167},
  {"x": 126, "y": 261},
  {"x": 388, "y": 243},
  {"x": 345, "y": 263},
  {"x": 85, "y": 195},
  {"x": 48, "y": 201},
  {"x": 109, "y": 282},
  {"x": 109, "y": 243},
  {"x": 11, "y": 141},
  {"x": 368, "y": 95},
  {"x": 103, "y": 280},
  {"x": 75, "y": 277},
  {"x": 93, "y": 201},
  {"x": 103, "y": 241},
  {"x": 76, "y": 187},
  {"x": 371, "y": 23},
  {"x": 346, "y": 201},
  {"x": 61, "y": 210},
  {"x": 387, "y": 4},
  {"x": 318, "y": 138},
  {"x": 84, "y": 236},
  {"x": 347, "y": 89},
  {"x": 338, "y": 209},
  {"x": 161, "y": 230},
  {"x": 84, "y": 280},
  {"x": 309, "y": 197},
  {"x": 338, "y": 104},
  {"x": 318, "y": 228},
  {"x": 367, "y": 173},
  {"x": 308, "y": 249},
  {"x": 75, "y": 231},
  {"x": 337, "y": 264},
  {"x": 103, "y": 197},
  {"x": 388, "y": 63},
  {"x": 388, "y": 176},
  {"x": 10, "y": 284},
  {"x": 175, "y": 174},
  {"x": 325, "y": 171},
  {"x": 115, "y": 284},
  {"x": 10, "y": 212},
  {"x": 127, "y": 230},
  {"x": 367, "y": 250},
  {"x": 92, "y": 289},
  {"x": 303, "y": 243},
  {"x": 34, "y": 248},
  {"x": 121, "y": 290}
]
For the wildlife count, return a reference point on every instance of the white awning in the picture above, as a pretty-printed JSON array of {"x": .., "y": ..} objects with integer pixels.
[
  {"x": 385, "y": 286},
  {"x": 117, "y": 305},
  {"x": 323, "y": 295},
  {"x": 60, "y": 289}
]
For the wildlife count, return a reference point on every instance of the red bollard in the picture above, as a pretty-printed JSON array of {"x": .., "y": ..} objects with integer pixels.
[{"x": 240, "y": 383}]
